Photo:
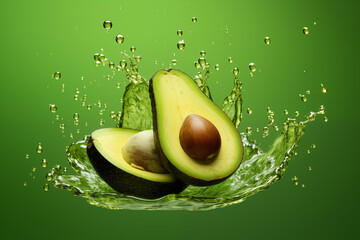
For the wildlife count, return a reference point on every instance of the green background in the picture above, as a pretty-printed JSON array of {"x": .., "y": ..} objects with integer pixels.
[{"x": 41, "y": 37}]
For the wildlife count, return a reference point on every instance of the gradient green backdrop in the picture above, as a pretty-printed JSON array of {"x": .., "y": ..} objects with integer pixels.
[{"x": 41, "y": 37}]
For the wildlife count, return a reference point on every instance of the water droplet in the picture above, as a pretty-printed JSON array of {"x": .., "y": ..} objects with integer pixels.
[
  {"x": 310, "y": 168},
  {"x": 302, "y": 185},
  {"x": 179, "y": 32},
  {"x": 297, "y": 113},
  {"x": 173, "y": 62},
  {"x": 44, "y": 163},
  {"x": 107, "y": 24},
  {"x": 76, "y": 97},
  {"x": 248, "y": 131},
  {"x": 266, "y": 130},
  {"x": 203, "y": 53},
  {"x": 65, "y": 169},
  {"x": 102, "y": 122},
  {"x": 123, "y": 63},
  {"x": 303, "y": 98},
  {"x": 217, "y": 67},
  {"x": 56, "y": 75},
  {"x": 49, "y": 177},
  {"x": 295, "y": 180},
  {"x": 27, "y": 156},
  {"x": 230, "y": 60},
  {"x": 53, "y": 108},
  {"x": 252, "y": 67},
  {"x": 119, "y": 39},
  {"x": 276, "y": 128},
  {"x": 326, "y": 119},
  {"x": 118, "y": 85},
  {"x": 25, "y": 184},
  {"x": 181, "y": 45},
  {"x": 308, "y": 92},
  {"x": 322, "y": 109},
  {"x": 197, "y": 64},
  {"x": 202, "y": 62},
  {"x": 313, "y": 145},
  {"x": 102, "y": 57},
  {"x": 62, "y": 126},
  {"x": 308, "y": 151},
  {"x": 305, "y": 30},
  {"x": 39, "y": 148},
  {"x": 267, "y": 40},
  {"x": 76, "y": 116},
  {"x": 249, "y": 111},
  {"x": 46, "y": 187},
  {"x": 34, "y": 169},
  {"x": 194, "y": 19},
  {"x": 324, "y": 90},
  {"x": 132, "y": 49},
  {"x": 111, "y": 65},
  {"x": 113, "y": 114},
  {"x": 137, "y": 58},
  {"x": 97, "y": 57},
  {"x": 236, "y": 71},
  {"x": 286, "y": 112}
]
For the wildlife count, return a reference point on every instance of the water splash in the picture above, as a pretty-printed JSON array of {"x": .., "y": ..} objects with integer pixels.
[{"x": 257, "y": 172}]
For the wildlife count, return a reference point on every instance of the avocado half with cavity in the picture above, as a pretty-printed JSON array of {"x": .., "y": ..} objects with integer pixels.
[
  {"x": 105, "y": 151},
  {"x": 183, "y": 116}
]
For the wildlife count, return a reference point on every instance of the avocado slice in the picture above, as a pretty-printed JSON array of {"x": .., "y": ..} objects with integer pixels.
[
  {"x": 175, "y": 96},
  {"x": 105, "y": 151}
]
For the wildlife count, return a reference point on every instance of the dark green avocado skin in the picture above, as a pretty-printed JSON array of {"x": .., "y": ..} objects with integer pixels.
[
  {"x": 165, "y": 161},
  {"x": 126, "y": 183}
]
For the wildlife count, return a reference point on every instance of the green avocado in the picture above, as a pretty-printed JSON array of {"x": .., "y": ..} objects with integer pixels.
[
  {"x": 105, "y": 151},
  {"x": 174, "y": 97}
]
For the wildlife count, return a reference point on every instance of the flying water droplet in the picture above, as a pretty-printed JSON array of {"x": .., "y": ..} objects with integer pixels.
[
  {"x": 56, "y": 75},
  {"x": 326, "y": 119},
  {"x": 39, "y": 148},
  {"x": 249, "y": 111},
  {"x": 107, "y": 25},
  {"x": 179, "y": 32},
  {"x": 236, "y": 71},
  {"x": 132, "y": 49},
  {"x": 27, "y": 156},
  {"x": 76, "y": 116},
  {"x": 230, "y": 60},
  {"x": 46, "y": 187},
  {"x": 252, "y": 67},
  {"x": 194, "y": 19},
  {"x": 53, "y": 108},
  {"x": 295, "y": 180},
  {"x": 267, "y": 40},
  {"x": 217, "y": 67},
  {"x": 248, "y": 131},
  {"x": 203, "y": 53},
  {"x": 119, "y": 39},
  {"x": 305, "y": 30},
  {"x": 44, "y": 163},
  {"x": 181, "y": 45}
]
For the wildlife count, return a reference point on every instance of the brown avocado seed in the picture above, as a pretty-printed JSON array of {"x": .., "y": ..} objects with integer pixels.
[{"x": 199, "y": 138}]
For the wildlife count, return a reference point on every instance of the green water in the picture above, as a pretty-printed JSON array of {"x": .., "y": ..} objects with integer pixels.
[{"x": 257, "y": 172}]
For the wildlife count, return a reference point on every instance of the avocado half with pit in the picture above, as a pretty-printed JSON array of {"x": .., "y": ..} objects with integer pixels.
[
  {"x": 140, "y": 179},
  {"x": 196, "y": 141}
]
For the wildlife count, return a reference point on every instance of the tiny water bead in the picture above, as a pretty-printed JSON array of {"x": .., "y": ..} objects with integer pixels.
[
  {"x": 25, "y": 184},
  {"x": 179, "y": 32},
  {"x": 53, "y": 108},
  {"x": 248, "y": 131},
  {"x": 203, "y": 53},
  {"x": 76, "y": 116},
  {"x": 46, "y": 187},
  {"x": 49, "y": 177},
  {"x": 297, "y": 113},
  {"x": 217, "y": 67},
  {"x": 123, "y": 63},
  {"x": 27, "y": 156},
  {"x": 202, "y": 62},
  {"x": 76, "y": 97},
  {"x": 326, "y": 119},
  {"x": 107, "y": 24},
  {"x": 313, "y": 145},
  {"x": 44, "y": 163},
  {"x": 97, "y": 57},
  {"x": 62, "y": 126},
  {"x": 305, "y": 30},
  {"x": 197, "y": 64},
  {"x": 173, "y": 62},
  {"x": 39, "y": 148},
  {"x": 236, "y": 71},
  {"x": 303, "y": 98},
  {"x": 194, "y": 19},
  {"x": 252, "y": 67},
  {"x": 295, "y": 180},
  {"x": 132, "y": 49},
  {"x": 181, "y": 45},
  {"x": 111, "y": 65},
  {"x": 308, "y": 92},
  {"x": 119, "y": 39},
  {"x": 249, "y": 111},
  {"x": 286, "y": 112},
  {"x": 324, "y": 90},
  {"x": 230, "y": 60},
  {"x": 310, "y": 168},
  {"x": 267, "y": 40},
  {"x": 56, "y": 75},
  {"x": 34, "y": 169}
]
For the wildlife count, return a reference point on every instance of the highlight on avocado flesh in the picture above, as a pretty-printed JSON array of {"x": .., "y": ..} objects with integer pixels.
[
  {"x": 174, "y": 96},
  {"x": 199, "y": 138},
  {"x": 105, "y": 151}
]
